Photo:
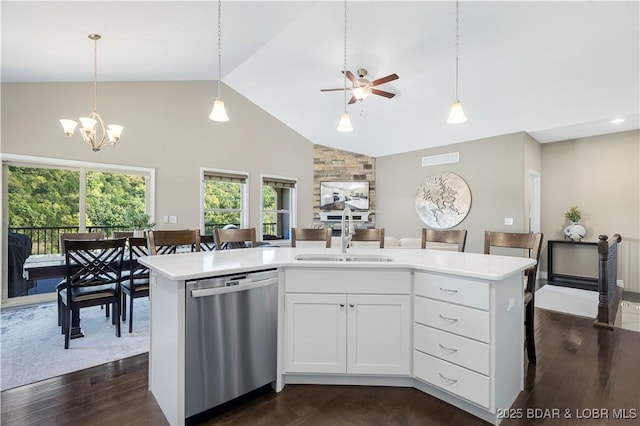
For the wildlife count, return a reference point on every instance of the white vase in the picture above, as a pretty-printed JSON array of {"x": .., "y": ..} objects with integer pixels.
[{"x": 575, "y": 231}]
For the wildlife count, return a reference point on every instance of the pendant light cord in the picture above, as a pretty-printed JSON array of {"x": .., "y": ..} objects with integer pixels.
[
  {"x": 95, "y": 74},
  {"x": 345, "y": 56},
  {"x": 457, "y": 43},
  {"x": 219, "y": 46}
]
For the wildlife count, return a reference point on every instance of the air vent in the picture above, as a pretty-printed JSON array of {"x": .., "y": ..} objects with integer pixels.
[{"x": 432, "y": 160}]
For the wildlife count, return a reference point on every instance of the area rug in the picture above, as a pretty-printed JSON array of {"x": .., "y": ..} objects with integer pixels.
[
  {"x": 572, "y": 301},
  {"x": 33, "y": 346}
]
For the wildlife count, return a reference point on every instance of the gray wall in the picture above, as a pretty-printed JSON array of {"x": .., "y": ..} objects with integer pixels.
[
  {"x": 600, "y": 175},
  {"x": 494, "y": 169},
  {"x": 166, "y": 127}
]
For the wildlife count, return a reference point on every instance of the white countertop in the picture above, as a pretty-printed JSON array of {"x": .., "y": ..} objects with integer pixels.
[{"x": 185, "y": 266}]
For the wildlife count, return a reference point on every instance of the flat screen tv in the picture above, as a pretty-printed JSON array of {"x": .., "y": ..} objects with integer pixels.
[{"x": 338, "y": 195}]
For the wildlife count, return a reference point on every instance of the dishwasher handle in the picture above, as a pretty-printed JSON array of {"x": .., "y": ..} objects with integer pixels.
[{"x": 244, "y": 285}]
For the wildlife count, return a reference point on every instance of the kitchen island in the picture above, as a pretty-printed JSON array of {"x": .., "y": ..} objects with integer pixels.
[{"x": 439, "y": 321}]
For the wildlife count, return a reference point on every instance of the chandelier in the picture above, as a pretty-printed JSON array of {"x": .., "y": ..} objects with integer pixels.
[{"x": 93, "y": 130}]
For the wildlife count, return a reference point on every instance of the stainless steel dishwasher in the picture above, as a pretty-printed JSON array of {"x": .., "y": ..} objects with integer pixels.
[{"x": 231, "y": 337}]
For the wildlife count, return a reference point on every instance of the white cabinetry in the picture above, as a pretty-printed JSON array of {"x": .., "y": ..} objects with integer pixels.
[
  {"x": 468, "y": 338},
  {"x": 352, "y": 321}
]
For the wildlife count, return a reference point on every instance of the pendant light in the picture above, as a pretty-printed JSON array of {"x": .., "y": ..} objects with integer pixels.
[
  {"x": 457, "y": 113},
  {"x": 344, "y": 125},
  {"x": 93, "y": 131},
  {"x": 219, "y": 113}
]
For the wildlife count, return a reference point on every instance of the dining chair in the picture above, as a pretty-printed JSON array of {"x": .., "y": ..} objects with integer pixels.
[
  {"x": 207, "y": 243},
  {"x": 135, "y": 281},
  {"x": 234, "y": 238},
  {"x": 449, "y": 236},
  {"x": 531, "y": 243},
  {"x": 307, "y": 234},
  {"x": 62, "y": 237},
  {"x": 169, "y": 242},
  {"x": 372, "y": 234},
  {"x": 93, "y": 274}
]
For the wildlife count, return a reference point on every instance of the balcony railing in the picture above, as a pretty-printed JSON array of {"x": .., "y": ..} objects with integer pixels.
[{"x": 46, "y": 239}]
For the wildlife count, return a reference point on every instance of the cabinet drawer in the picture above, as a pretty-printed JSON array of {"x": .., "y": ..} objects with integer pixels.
[
  {"x": 456, "y": 349},
  {"x": 461, "y": 320},
  {"x": 452, "y": 289},
  {"x": 457, "y": 380}
]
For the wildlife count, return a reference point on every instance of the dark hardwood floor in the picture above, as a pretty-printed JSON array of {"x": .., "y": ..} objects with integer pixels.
[{"x": 581, "y": 371}]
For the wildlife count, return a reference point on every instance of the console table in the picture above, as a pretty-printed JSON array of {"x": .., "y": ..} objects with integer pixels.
[{"x": 587, "y": 283}]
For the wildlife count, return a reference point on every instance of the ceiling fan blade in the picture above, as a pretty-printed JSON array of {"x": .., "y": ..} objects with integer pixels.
[
  {"x": 333, "y": 90},
  {"x": 382, "y": 93},
  {"x": 351, "y": 77},
  {"x": 353, "y": 100},
  {"x": 383, "y": 80}
]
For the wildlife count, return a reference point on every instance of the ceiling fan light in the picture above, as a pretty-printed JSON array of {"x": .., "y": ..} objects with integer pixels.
[
  {"x": 69, "y": 126},
  {"x": 218, "y": 113},
  {"x": 345, "y": 123},
  {"x": 457, "y": 113},
  {"x": 361, "y": 92}
]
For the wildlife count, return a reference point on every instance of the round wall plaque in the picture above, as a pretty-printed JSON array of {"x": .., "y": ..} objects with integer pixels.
[{"x": 443, "y": 200}]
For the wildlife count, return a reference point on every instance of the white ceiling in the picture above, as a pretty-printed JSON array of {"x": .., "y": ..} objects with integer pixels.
[{"x": 558, "y": 70}]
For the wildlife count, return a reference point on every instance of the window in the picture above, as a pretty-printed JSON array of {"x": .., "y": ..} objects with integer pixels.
[
  {"x": 45, "y": 197},
  {"x": 224, "y": 199},
  {"x": 278, "y": 207}
]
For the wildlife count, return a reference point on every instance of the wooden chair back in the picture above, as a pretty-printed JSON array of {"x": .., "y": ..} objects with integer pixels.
[
  {"x": 531, "y": 243},
  {"x": 207, "y": 243},
  {"x": 449, "y": 236},
  {"x": 376, "y": 234},
  {"x": 138, "y": 247},
  {"x": 93, "y": 270},
  {"x": 122, "y": 234},
  {"x": 168, "y": 242},
  {"x": 63, "y": 236},
  {"x": 234, "y": 238},
  {"x": 307, "y": 234}
]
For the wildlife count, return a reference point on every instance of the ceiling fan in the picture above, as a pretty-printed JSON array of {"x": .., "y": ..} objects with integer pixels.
[{"x": 363, "y": 87}]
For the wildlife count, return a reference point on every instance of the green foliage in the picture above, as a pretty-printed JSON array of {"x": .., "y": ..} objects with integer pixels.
[
  {"x": 573, "y": 214},
  {"x": 138, "y": 221},
  {"x": 41, "y": 197},
  {"x": 222, "y": 196}
]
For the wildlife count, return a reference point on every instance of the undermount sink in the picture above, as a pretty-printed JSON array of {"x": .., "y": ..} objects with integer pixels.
[{"x": 330, "y": 257}]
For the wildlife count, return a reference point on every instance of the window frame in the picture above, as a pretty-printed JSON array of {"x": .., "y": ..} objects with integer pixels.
[
  {"x": 244, "y": 194},
  {"x": 82, "y": 167},
  {"x": 293, "y": 202}
]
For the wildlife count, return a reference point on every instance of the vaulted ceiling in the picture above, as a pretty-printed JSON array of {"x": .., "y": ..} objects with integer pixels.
[{"x": 558, "y": 70}]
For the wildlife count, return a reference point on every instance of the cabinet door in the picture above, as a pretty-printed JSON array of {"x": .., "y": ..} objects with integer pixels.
[
  {"x": 378, "y": 328},
  {"x": 315, "y": 337}
]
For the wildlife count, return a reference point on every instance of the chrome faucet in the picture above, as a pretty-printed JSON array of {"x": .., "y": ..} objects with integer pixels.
[{"x": 350, "y": 231}]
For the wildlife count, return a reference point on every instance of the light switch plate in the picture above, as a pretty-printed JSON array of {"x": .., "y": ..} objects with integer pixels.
[
  {"x": 173, "y": 219},
  {"x": 508, "y": 221}
]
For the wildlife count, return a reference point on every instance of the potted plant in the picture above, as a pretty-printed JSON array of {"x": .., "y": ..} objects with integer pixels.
[
  {"x": 575, "y": 231},
  {"x": 139, "y": 222},
  {"x": 573, "y": 214}
]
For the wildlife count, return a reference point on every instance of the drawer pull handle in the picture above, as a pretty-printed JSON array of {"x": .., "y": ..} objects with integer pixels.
[
  {"x": 446, "y": 350},
  {"x": 448, "y": 291},
  {"x": 342, "y": 305},
  {"x": 448, "y": 320},
  {"x": 351, "y": 305},
  {"x": 447, "y": 381}
]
